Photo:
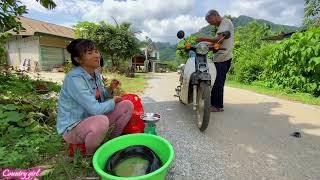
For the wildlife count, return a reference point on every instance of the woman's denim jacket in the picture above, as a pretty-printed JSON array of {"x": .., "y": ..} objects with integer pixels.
[{"x": 77, "y": 99}]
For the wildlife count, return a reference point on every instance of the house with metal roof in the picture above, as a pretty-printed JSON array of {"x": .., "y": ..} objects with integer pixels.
[
  {"x": 148, "y": 57},
  {"x": 39, "y": 46}
]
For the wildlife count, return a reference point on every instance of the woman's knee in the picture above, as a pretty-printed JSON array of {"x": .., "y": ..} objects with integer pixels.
[
  {"x": 100, "y": 124},
  {"x": 127, "y": 106}
]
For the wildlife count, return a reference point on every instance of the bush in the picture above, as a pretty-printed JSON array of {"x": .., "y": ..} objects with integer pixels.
[
  {"x": 295, "y": 63},
  {"x": 3, "y": 54},
  {"x": 292, "y": 64},
  {"x": 27, "y": 130},
  {"x": 67, "y": 67},
  {"x": 249, "y": 65},
  {"x": 172, "y": 65},
  {"x": 121, "y": 68},
  {"x": 250, "y": 52}
]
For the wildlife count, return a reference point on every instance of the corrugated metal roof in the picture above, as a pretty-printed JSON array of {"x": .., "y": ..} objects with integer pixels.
[{"x": 32, "y": 26}]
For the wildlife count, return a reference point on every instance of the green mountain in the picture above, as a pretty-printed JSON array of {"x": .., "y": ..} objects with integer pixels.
[
  {"x": 244, "y": 20},
  {"x": 167, "y": 51}
]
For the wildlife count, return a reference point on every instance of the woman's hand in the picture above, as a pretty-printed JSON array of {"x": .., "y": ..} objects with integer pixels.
[{"x": 117, "y": 99}]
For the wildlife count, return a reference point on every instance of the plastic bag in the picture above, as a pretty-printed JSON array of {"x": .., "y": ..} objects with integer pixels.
[{"x": 135, "y": 124}]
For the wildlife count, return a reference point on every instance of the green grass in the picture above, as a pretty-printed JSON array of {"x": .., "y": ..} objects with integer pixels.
[
  {"x": 70, "y": 168},
  {"x": 134, "y": 85},
  {"x": 45, "y": 148},
  {"x": 280, "y": 93}
]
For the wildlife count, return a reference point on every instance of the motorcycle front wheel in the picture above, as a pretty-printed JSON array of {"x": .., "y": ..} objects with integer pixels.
[{"x": 203, "y": 102}]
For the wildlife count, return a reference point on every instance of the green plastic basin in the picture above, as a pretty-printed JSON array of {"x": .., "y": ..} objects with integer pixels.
[{"x": 158, "y": 144}]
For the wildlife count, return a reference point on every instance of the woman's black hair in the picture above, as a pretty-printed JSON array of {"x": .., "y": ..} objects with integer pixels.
[{"x": 78, "y": 48}]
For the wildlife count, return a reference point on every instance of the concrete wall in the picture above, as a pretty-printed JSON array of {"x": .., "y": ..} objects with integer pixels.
[{"x": 19, "y": 49}]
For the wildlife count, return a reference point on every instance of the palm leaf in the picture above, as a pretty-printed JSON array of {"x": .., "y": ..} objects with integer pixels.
[{"x": 49, "y": 4}]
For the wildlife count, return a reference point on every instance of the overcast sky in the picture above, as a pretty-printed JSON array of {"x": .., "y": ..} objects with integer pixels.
[{"x": 161, "y": 19}]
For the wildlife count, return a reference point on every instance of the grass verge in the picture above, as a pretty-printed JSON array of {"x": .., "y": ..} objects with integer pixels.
[
  {"x": 280, "y": 93},
  {"x": 28, "y": 133}
]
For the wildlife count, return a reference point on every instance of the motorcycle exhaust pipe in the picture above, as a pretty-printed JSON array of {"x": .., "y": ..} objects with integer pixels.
[{"x": 194, "y": 97}]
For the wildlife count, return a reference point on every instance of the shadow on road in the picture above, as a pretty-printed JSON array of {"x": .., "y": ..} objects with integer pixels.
[{"x": 247, "y": 140}]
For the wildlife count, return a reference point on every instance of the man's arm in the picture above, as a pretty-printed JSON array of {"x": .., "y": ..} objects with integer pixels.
[{"x": 211, "y": 40}]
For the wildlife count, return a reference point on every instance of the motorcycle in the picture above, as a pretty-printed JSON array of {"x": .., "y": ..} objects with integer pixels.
[{"x": 197, "y": 78}]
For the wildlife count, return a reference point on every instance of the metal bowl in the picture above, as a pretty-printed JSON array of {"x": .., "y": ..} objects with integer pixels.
[{"x": 150, "y": 117}]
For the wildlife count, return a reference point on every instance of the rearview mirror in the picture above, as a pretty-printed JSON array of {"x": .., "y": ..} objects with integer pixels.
[{"x": 180, "y": 34}]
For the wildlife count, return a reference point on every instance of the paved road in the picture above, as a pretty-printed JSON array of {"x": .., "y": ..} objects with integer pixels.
[{"x": 250, "y": 140}]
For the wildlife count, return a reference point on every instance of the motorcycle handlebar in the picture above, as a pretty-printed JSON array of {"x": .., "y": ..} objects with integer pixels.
[{"x": 194, "y": 48}]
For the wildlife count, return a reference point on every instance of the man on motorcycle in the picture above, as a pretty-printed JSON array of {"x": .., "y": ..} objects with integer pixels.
[{"x": 222, "y": 58}]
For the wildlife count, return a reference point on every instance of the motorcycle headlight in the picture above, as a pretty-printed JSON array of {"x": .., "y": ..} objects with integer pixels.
[{"x": 202, "y": 48}]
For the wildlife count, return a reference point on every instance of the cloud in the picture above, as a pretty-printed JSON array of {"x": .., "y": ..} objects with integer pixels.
[
  {"x": 289, "y": 12},
  {"x": 161, "y": 19},
  {"x": 67, "y": 8},
  {"x": 67, "y": 24},
  {"x": 138, "y": 11},
  {"x": 158, "y": 19},
  {"x": 34, "y": 6},
  {"x": 166, "y": 29}
]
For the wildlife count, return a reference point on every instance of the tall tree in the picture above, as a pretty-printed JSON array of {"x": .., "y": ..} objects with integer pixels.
[
  {"x": 11, "y": 9},
  {"x": 118, "y": 42}
]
